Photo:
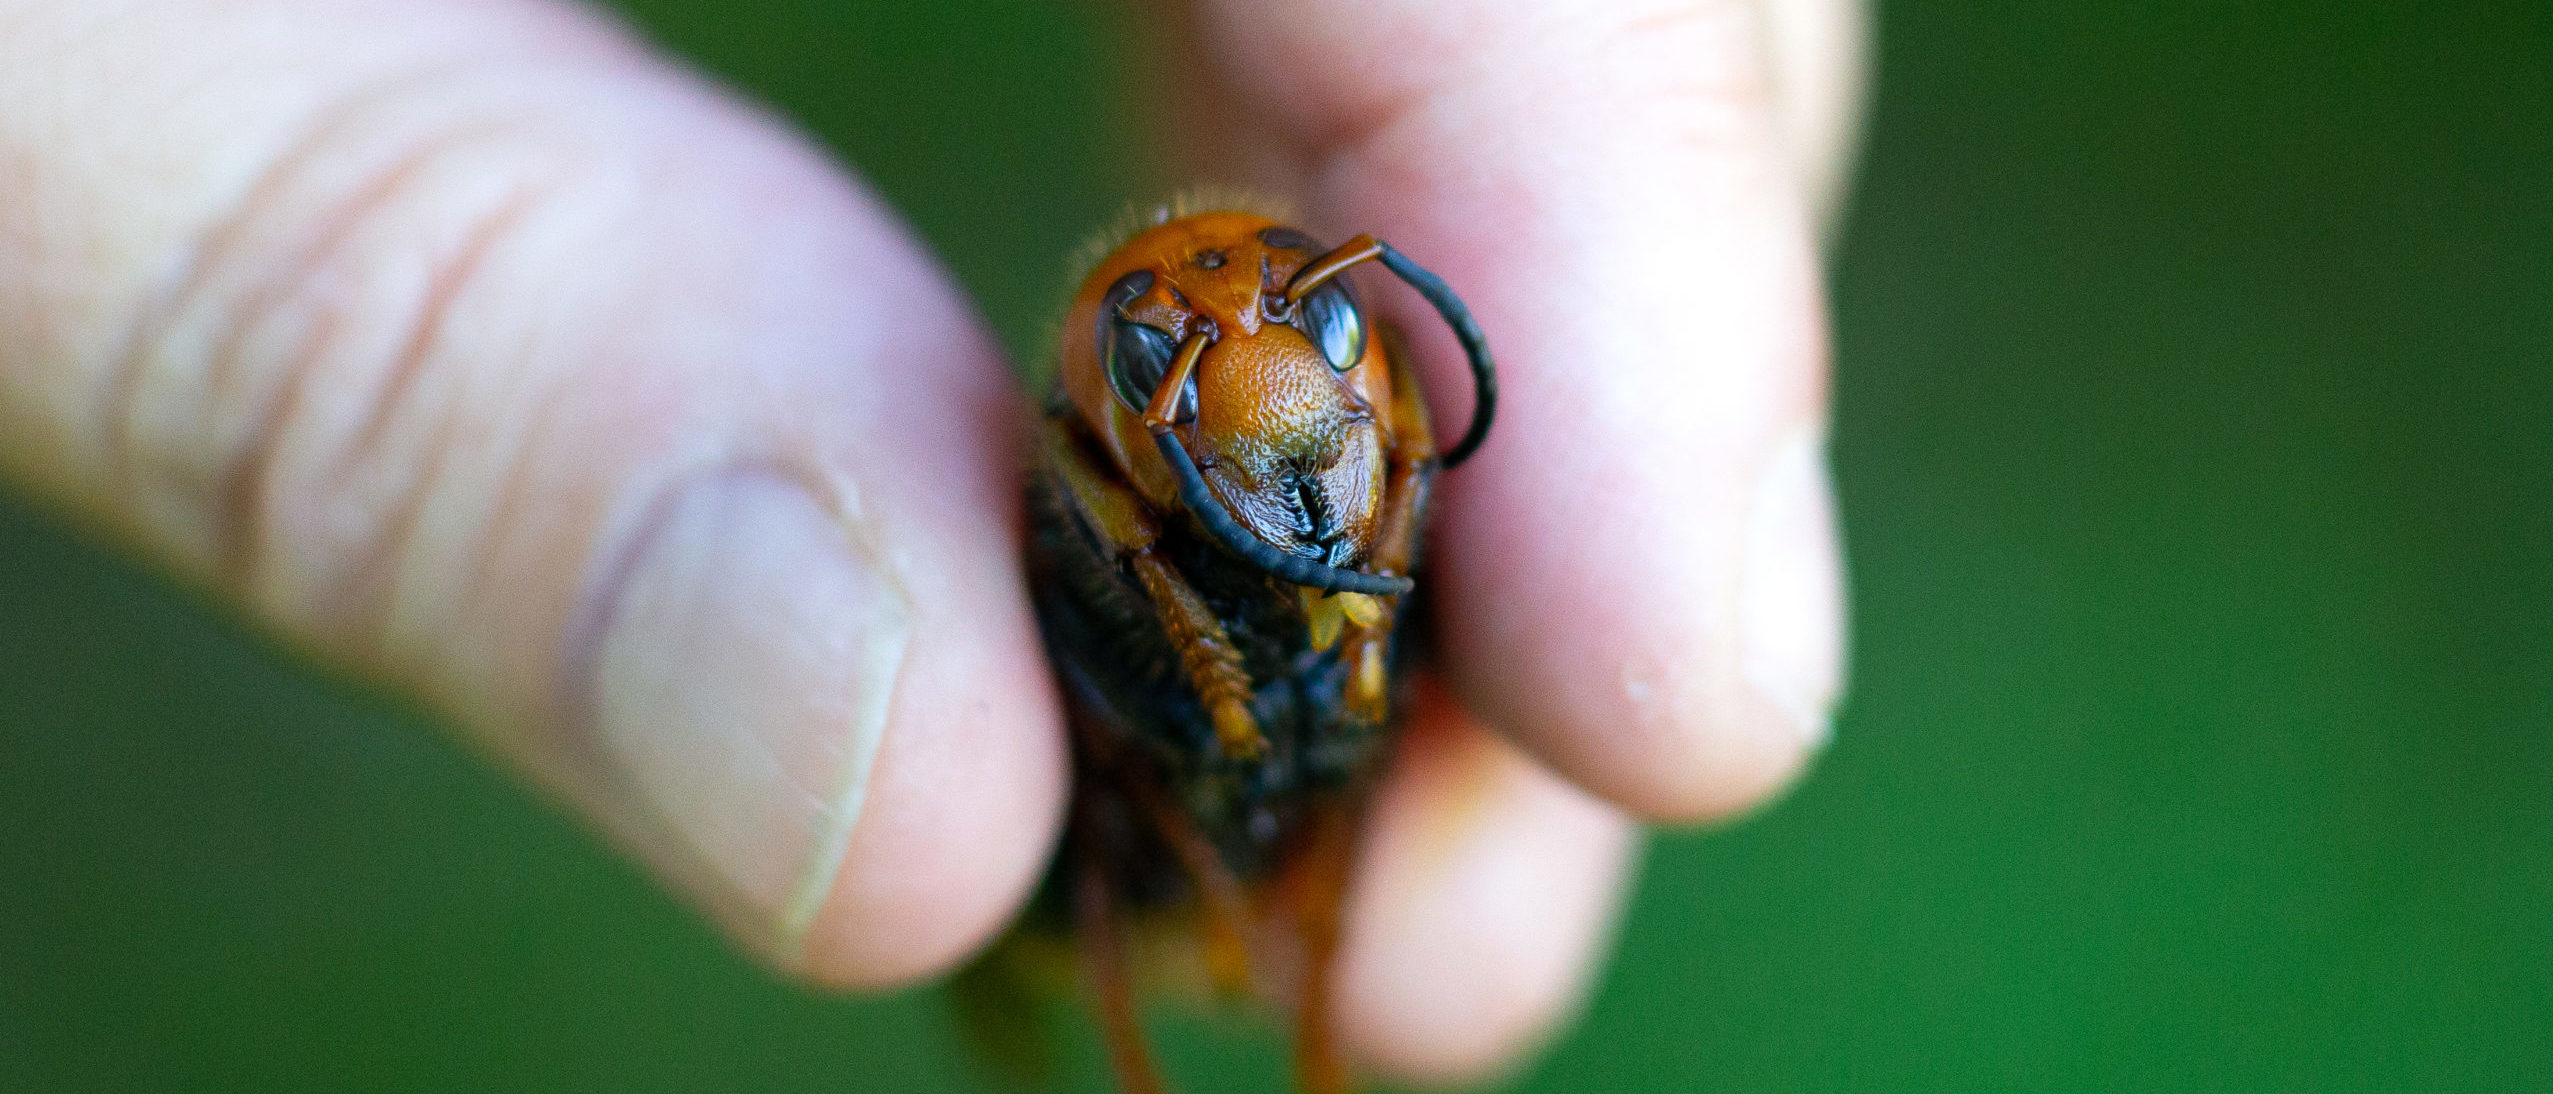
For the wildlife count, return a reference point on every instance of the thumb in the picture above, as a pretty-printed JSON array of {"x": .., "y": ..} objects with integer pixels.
[{"x": 468, "y": 346}]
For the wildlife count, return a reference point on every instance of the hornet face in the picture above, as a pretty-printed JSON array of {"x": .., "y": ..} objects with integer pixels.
[
  {"x": 1280, "y": 413},
  {"x": 1229, "y": 369}
]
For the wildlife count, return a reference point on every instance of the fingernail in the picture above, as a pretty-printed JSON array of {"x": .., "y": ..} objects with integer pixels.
[
  {"x": 1791, "y": 612},
  {"x": 741, "y": 689}
]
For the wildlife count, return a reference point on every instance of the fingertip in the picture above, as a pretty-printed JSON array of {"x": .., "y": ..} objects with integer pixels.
[
  {"x": 1636, "y": 705},
  {"x": 1486, "y": 891},
  {"x": 1678, "y": 768},
  {"x": 1819, "y": 56},
  {"x": 1638, "y": 578},
  {"x": 1640, "y": 575},
  {"x": 968, "y": 793},
  {"x": 858, "y": 828},
  {"x": 961, "y": 816},
  {"x": 836, "y": 733}
]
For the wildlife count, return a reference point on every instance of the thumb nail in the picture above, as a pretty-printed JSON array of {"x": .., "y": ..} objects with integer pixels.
[
  {"x": 741, "y": 690},
  {"x": 1791, "y": 612}
]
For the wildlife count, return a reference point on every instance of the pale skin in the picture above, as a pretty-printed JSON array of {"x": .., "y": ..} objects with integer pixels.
[{"x": 473, "y": 346}]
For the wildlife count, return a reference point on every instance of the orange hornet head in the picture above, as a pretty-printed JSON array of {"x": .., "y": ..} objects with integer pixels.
[{"x": 1229, "y": 370}]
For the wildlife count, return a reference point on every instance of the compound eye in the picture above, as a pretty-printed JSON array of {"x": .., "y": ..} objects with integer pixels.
[
  {"x": 1288, "y": 239},
  {"x": 1135, "y": 355},
  {"x": 1331, "y": 319}
]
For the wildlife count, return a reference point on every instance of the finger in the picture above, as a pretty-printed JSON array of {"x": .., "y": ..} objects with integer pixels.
[
  {"x": 1486, "y": 889},
  {"x": 1639, "y": 574},
  {"x": 1817, "y": 60},
  {"x": 470, "y": 346}
]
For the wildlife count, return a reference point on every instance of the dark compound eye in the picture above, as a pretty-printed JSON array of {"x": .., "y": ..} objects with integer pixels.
[
  {"x": 1287, "y": 239},
  {"x": 1135, "y": 355},
  {"x": 1331, "y": 319}
]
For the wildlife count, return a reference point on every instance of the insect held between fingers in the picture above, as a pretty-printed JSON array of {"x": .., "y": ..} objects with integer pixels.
[{"x": 1225, "y": 531}]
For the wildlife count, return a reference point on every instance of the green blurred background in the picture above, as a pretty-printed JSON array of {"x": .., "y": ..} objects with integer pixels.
[{"x": 2193, "y": 392}]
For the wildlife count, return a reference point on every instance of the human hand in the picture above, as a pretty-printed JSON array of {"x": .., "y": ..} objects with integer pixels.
[{"x": 469, "y": 346}]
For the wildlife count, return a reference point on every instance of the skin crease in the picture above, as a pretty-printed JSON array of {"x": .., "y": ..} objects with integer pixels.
[{"x": 395, "y": 324}]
